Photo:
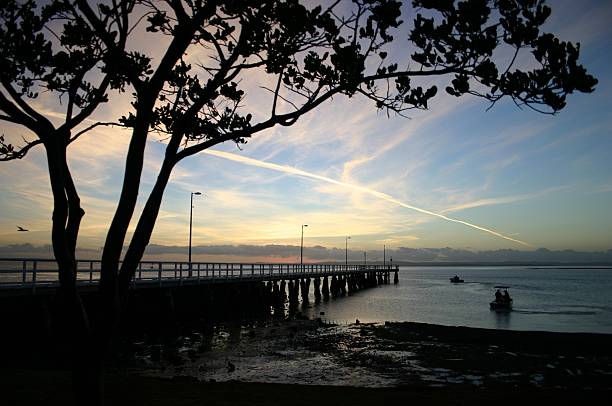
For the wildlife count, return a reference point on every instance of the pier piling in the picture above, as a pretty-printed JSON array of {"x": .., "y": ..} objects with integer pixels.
[{"x": 325, "y": 288}]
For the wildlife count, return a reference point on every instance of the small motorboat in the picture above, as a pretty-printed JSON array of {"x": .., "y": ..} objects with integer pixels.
[
  {"x": 456, "y": 279},
  {"x": 502, "y": 302}
]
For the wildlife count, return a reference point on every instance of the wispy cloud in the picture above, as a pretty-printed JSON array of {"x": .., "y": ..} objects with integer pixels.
[
  {"x": 380, "y": 195},
  {"x": 604, "y": 188},
  {"x": 502, "y": 200},
  {"x": 592, "y": 23}
]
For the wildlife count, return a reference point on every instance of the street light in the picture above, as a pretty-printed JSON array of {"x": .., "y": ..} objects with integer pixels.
[
  {"x": 346, "y": 250},
  {"x": 364, "y": 258},
  {"x": 384, "y": 255},
  {"x": 302, "y": 244},
  {"x": 191, "y": 225}
]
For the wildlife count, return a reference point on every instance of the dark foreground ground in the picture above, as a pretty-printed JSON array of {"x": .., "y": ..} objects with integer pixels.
[
  {"x": 38, "y": 388},
  {"x": 428, "y": 364}
]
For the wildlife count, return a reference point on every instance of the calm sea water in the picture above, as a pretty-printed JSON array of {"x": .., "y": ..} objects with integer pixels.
[{"x": 546, "y": 299}]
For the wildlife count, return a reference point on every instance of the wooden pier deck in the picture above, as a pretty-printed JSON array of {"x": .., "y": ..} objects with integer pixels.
[{"x": 21, "y": 276}]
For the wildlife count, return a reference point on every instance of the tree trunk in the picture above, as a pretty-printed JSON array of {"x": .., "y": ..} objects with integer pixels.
[
  {"x": 75, "y": 331},
  {"x": 88, "y": 380},
  {"x": 85, "y": 354},
  {"x": 144, "y": 229}
]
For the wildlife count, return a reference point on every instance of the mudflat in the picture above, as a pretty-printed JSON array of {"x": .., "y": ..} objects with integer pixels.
[{"x": 422, "y": 363}]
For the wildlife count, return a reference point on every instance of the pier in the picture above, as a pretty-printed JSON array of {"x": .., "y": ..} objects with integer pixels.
[
  {"x": 21, "y": 276},
  {"x": 165, "y": 294}
]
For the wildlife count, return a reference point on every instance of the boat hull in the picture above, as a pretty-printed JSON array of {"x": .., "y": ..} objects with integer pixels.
[{"x": 501, "y": 307}]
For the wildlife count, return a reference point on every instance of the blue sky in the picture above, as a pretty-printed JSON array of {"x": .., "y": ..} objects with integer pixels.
[{"x": 543, "y": 180}]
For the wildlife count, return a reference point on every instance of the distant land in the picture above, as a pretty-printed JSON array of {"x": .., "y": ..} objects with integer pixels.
[
  {"x": 290, "y": 253},
  {"x": 531, "y": 265}
]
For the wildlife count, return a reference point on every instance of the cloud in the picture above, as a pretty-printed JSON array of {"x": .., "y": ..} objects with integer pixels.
[
  {"x": 502, "y": 200},
  {"x": 27, "y": 250},
  {"x": 380, "y": 195},
  {"x": 587, "y": 26},
  {"x": 603, "y": 188},
  {"x": 318, "y": 253}
]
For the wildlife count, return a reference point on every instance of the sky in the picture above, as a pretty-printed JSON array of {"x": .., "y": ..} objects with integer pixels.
[{"x": 457, "y": 175}]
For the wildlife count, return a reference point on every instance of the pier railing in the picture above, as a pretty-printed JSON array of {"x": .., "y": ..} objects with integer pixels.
[{"x": 32, "y": 273}]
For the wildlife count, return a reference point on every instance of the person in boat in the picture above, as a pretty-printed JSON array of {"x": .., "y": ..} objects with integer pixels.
[
  {"x": 506, "y": 296},
  {"x": 498, "y": 296}
]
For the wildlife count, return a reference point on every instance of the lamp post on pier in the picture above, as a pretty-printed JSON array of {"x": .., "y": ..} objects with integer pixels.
[
  {"x": 302, "y": 245},
  {"x": 191, "y": 225},
  {"x": 346, "y": 251}
]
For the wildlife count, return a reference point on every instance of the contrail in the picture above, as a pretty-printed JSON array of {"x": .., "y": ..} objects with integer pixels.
[{"x": 298, "y": 172}]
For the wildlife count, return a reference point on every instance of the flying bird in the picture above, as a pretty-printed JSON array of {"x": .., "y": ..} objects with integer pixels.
[{"x": 19, "y": 228}]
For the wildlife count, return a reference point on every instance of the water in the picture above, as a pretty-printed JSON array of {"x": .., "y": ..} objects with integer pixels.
[{"x": 545, "y": 299}]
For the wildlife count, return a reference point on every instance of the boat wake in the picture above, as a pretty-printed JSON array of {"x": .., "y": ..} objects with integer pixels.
[{"x": 557, "y": 312}]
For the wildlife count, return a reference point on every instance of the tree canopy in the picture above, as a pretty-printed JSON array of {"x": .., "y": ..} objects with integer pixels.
[{"x": 313, "y": 53}]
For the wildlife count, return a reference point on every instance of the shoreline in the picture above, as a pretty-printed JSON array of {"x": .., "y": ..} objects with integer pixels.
[{"x": 597, "y": 341}]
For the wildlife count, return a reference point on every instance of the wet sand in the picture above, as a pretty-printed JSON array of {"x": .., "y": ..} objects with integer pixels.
[
  {"x": 386, "y": 355},
  {"x": 357, "y": 364}
]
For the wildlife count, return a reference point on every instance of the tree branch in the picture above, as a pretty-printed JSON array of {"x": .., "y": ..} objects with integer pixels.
[
  {"x": 36, "y": 116},
  {"x": 10, "y": 155},
  {"x": 90, "y": 108},
  {"x": 91, "y": 127},
  {"x": 15, "y": 115},
  {"x": 117, "y": 52},
  {"x": 278, "y": 83}
]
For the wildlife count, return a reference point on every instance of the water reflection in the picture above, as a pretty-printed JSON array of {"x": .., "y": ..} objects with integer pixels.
[{"x": 502, "y": 319}]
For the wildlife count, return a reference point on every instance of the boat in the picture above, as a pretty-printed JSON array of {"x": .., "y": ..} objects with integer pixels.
[
  {"x": 502, "y": 302},
  {"x": 456, "y": 279}
]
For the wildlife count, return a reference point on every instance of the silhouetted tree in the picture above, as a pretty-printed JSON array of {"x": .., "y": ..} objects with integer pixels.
[{"x": 76, "y": 51}]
